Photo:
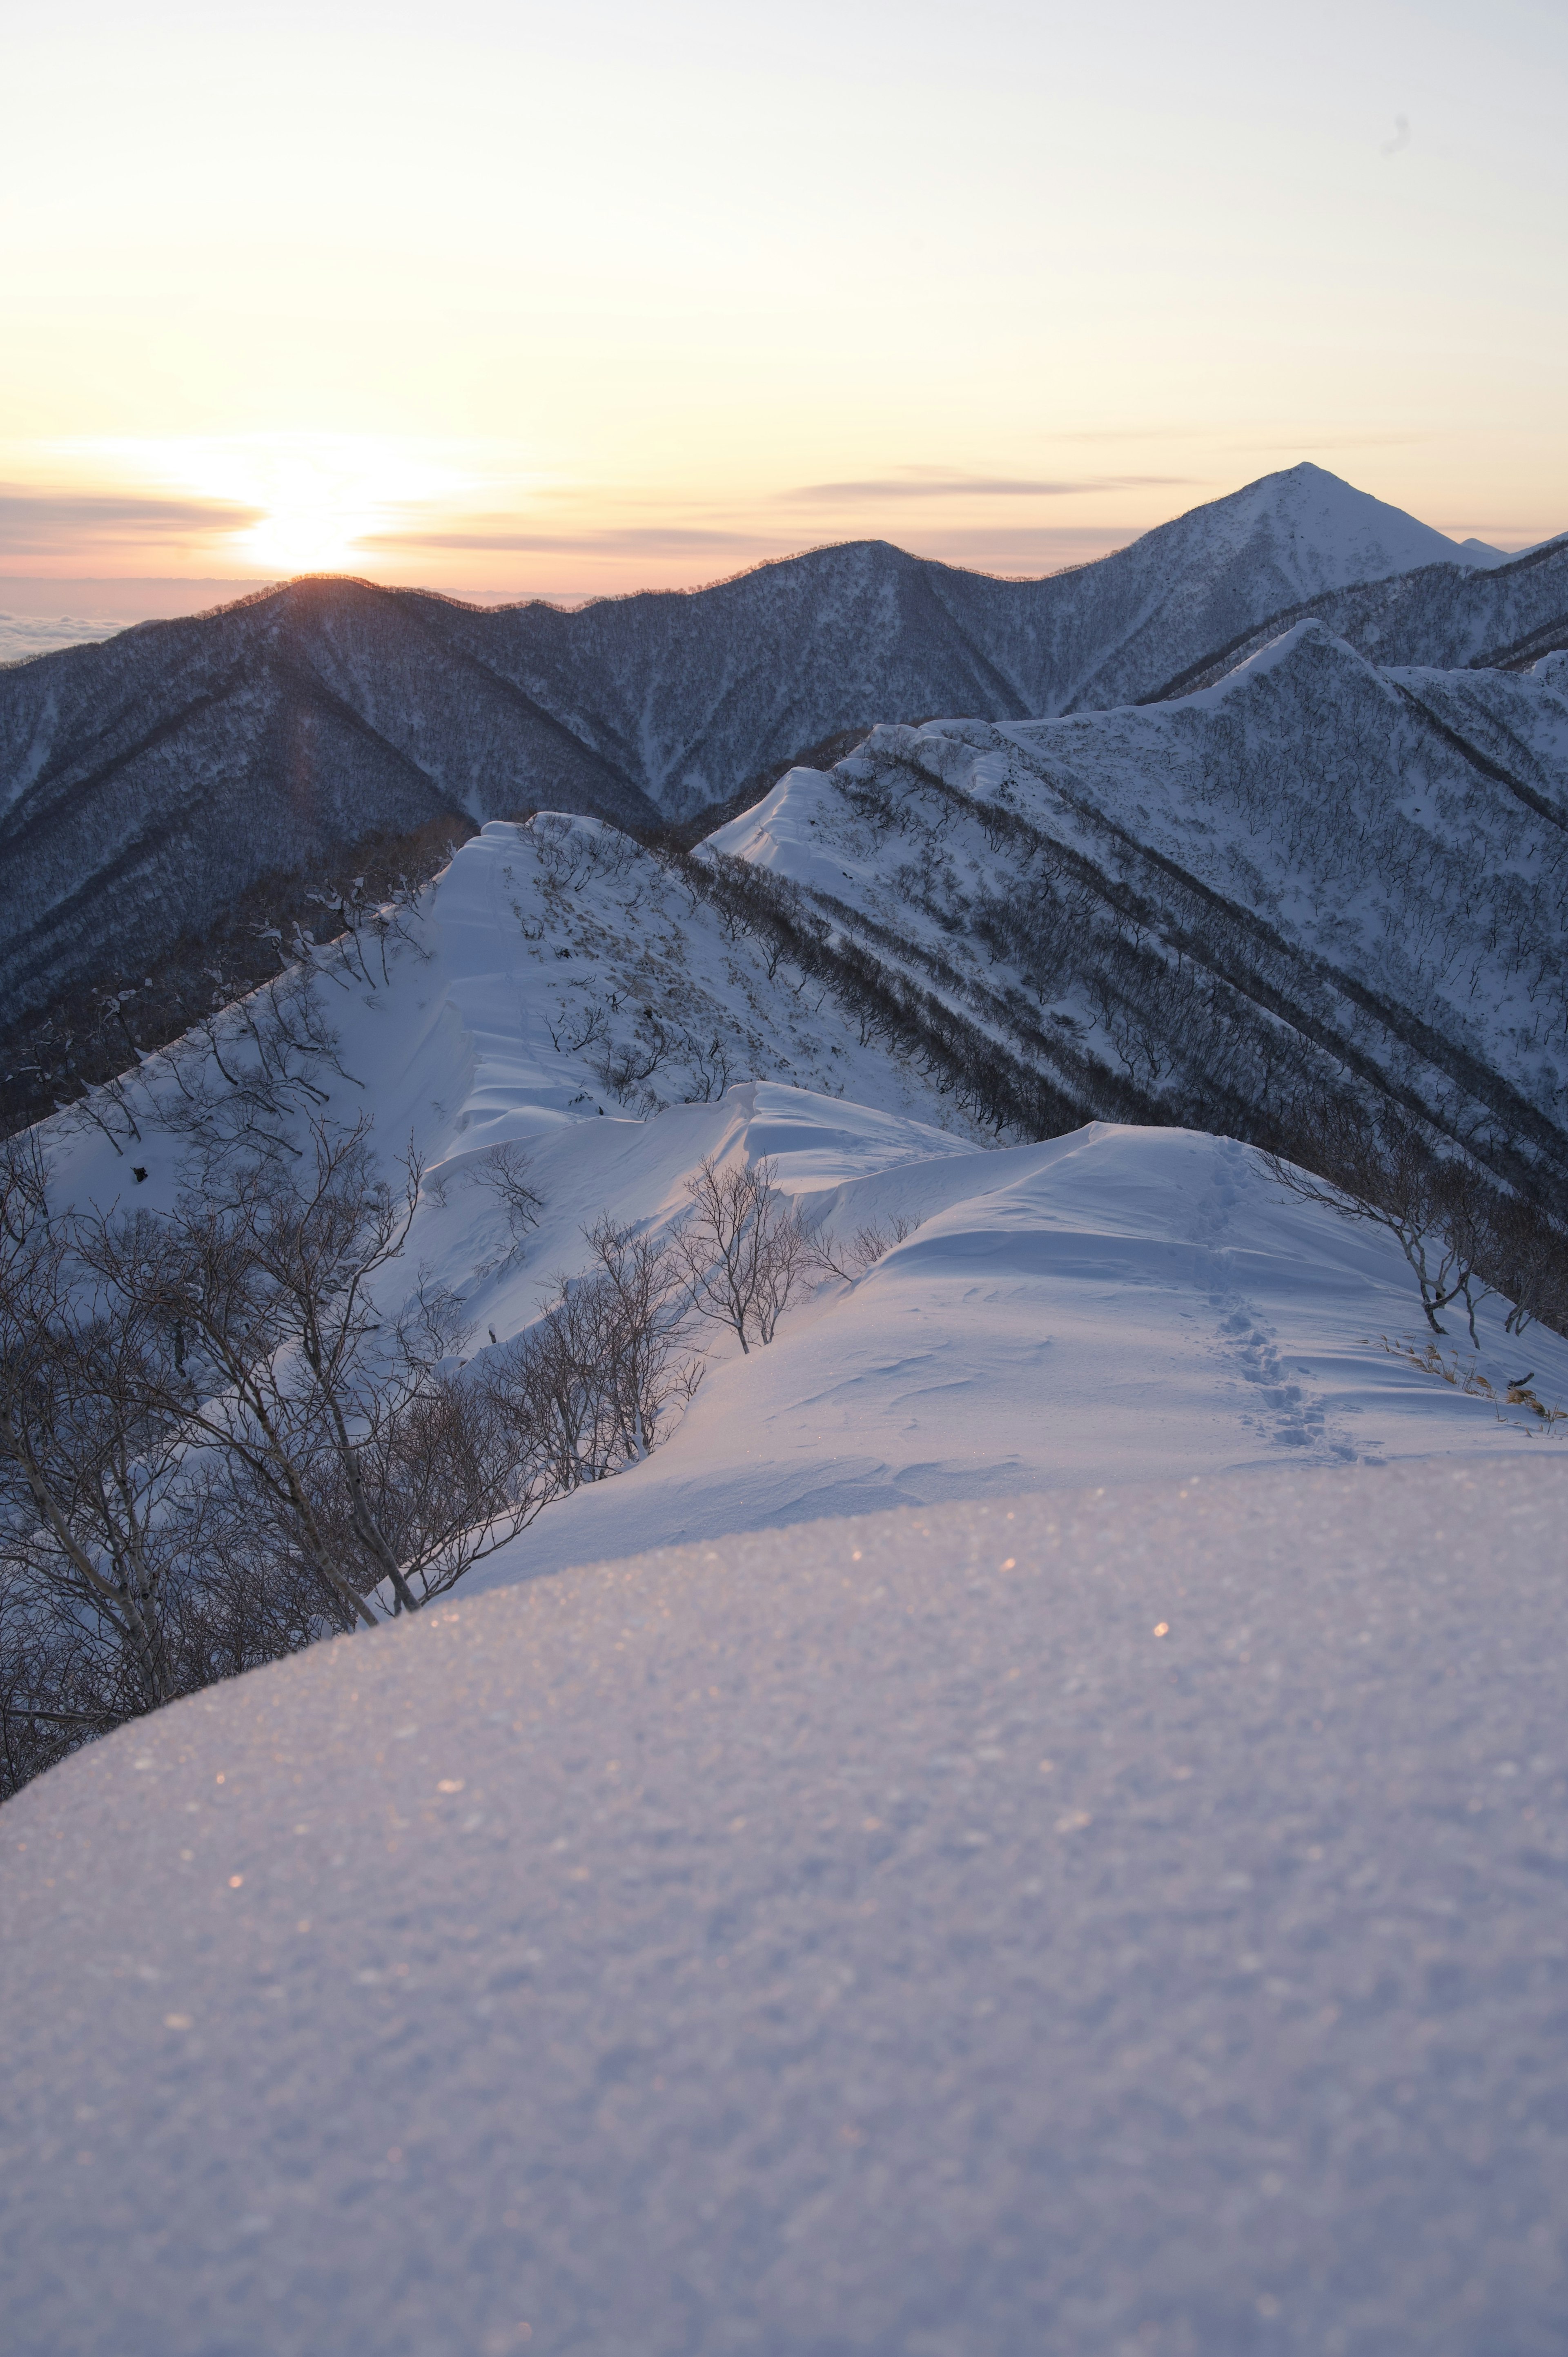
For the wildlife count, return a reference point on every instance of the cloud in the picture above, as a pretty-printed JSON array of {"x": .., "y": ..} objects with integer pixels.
[
  {"x": 1024, "y": 552},
  {"x": 676, "y": 539},
  {"x": 1027, "y": 549},
  {"x": 927, "y": 484},
  {"x": 42, "y": 522},
  {"x": 1401, "y": 140}
]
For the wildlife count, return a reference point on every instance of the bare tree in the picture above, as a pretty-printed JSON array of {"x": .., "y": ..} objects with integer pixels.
[
  {"x": 505, "y": 1174},
  {"x": 849, "y": 1258},
  {"x": 444, "y": 1478},
  {"x": 1384, "y": 1174},
  {"x": 742, "y": 1249},
  {"x": 87, "y": 1466},
  {"x": 261, "y": 1288},
  {"x": 641, "y": 1317},
  {"x": 216, "y": 1445},
  {"x": 1529, "y": 1255},
  {"x": 589, "y": 1388},
  {"x": 547, "y": 1384}
]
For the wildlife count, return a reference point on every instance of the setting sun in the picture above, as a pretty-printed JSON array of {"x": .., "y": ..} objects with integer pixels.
[{"x": 314, "y": 497}]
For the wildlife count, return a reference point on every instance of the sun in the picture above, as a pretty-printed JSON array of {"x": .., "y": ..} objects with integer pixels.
[{"x": 316, "y": 496}]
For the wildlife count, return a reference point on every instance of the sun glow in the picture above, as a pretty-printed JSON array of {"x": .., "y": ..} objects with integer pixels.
[{"x": 316, "y": 496}]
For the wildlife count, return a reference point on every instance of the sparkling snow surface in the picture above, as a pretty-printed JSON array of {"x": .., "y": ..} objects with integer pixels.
[{"x": 1100, "y": 1924}]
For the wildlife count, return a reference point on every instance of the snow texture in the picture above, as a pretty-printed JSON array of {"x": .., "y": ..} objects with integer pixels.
[
  {"x": 1114, "y": 1305},
  {"x": 1106, "y": 1923}
]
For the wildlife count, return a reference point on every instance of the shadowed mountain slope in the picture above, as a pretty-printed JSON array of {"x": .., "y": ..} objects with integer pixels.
[
  {"x": 1501, "y": 620},
  {"x": 146, "y": 781},
  {"x": 1209, "y": 910}
]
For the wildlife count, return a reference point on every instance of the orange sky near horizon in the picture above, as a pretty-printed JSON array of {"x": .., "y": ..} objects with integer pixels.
[{"x": 570, "y": 304}]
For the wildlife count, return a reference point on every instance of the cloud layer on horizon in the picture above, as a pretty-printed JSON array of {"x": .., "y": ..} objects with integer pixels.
[
  {"x": 50, "y": 523},
  {"x": 919, "y": 483}
]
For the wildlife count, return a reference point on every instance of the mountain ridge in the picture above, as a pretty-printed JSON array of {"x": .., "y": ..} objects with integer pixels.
[{"x": 149, "y": 780}]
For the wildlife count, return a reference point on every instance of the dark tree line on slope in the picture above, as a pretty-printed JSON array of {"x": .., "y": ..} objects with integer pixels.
[
  {"x": 1209, "y": 1013},
  {"x": 57, "y": 1054},
  {"x": 96, "y": 1032},
  {"x": 216, "y": 1446},
  {"x": 1462, "y": 1237},
  {"x": 1250, "y": 1075}
]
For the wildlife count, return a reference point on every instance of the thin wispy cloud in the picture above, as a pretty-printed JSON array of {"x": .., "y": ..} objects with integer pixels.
[
  {"x": 920, "y": 485},
  {"x": 1401, "y": 140},
  {"x": 654, "y": 537},
  {"x": 35, "y": 522}
]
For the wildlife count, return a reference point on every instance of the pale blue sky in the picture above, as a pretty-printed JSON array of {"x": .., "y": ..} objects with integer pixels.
[{"x": 590, "y": 296}]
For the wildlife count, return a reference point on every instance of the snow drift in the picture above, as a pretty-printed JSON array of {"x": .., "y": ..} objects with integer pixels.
[{"x": 1107, "y": 1922}]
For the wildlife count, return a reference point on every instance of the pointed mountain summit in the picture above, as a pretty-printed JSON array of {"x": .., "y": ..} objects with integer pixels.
[
  {"x": 148, "y": 781},
  {"x": 1320, "y": 532}
]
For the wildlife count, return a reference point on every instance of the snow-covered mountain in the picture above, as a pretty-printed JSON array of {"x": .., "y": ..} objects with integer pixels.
[
  {"x": 577, "y": 1965},
  {"x": 146, "y": 781},
  {"x": 1505, "y": 621},
  {"x": 1193, "y": 910},
  {"x": 1117, "y": 1302}
]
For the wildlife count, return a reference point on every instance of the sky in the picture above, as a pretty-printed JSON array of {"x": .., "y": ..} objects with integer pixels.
[{"x": 516, "y": 300}]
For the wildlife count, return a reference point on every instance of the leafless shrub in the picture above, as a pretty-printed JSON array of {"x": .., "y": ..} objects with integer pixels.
[
  {"x": 586, "y": 1027},
  {"x": 589, "y": 1388},
  {"x": 108, "y": 1108},
  {"x": 332, "y": 1423},
  {"x": 504, "y": 1173},
  {"x": 1384, "y": 1174},
  {"x": 570, "y": 854},
  {"x": 217, "y": 1446},
  {"x": 742, "y": 1249},
  {"x": 440, "y": 1477},
  {"x": 708, "y": 1066},
  {"x": 366, "y": 925},
  {"x": 90, "y": 1531},
  {"x": 642, "y": 1320},
  {"x": 242, "y": 1077},
  {"x": 624, "y": 1068},
  {"x": 849, "y": 1258},
  {"x": 1528, "y": 1252}
]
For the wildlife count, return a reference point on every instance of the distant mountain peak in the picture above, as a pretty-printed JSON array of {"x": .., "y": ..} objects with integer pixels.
[{"x": 148, "y": 783}]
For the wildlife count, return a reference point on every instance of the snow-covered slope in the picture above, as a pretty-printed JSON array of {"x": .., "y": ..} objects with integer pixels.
[
  {"x": 1115, "y": 1304},
  {"x": 1504, "y": 619},
  {"x": 146, "y": 781},
  {"x": 1199, "y": 908},
  {"x": 746, "y": 1947},
  {"x": 1119, "y": 1305},
  {"x": 1095, "y": 1925}
]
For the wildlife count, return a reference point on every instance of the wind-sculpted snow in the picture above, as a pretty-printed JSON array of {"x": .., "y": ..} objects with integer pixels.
[
  {"x": 1200, "y": 908},
  {"x": 1108, "y": 1922},
  {"x": 1118, "y": 1305},
  {"x": 1112, "y": 1304},
  {"x": 147, "y": 781}
]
